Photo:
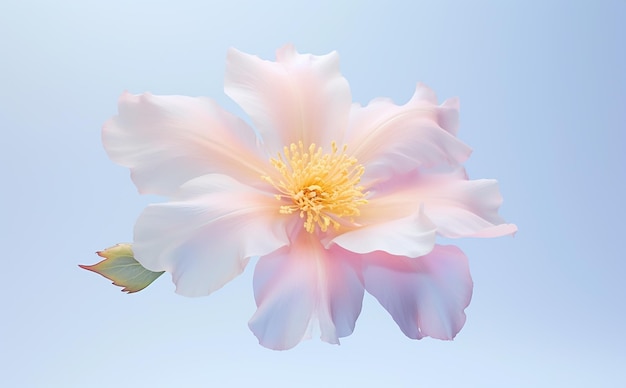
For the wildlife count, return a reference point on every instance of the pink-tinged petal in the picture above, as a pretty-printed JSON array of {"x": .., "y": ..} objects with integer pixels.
[
  {"x": 304, "y": 284},
  {"x": 426, "y": 296},
  {"x": 411, "y": 236},
  {"x": 206, "y": 234},
  {"x": 448, "y": 115},
  {"x": 457, "y": 207},
  {"x": 297, "y": 98},
  {"x": 424, "y": 94},
  {"x": 389, "y": 139},
  {"x": 465, "y": 208},
  {"x": 402, "y": 185},
  {"x": 344, "y": 284},
  {"x": 168, "y": 140}
]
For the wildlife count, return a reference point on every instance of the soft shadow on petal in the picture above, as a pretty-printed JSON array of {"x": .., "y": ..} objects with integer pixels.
[
  {"x": 426, "y": 296},
  {"x": 205, "y": 236},
  {"x": 389, "y": 139},
  {"x": 465, "y": 208},
  {"x": 446, "y": 114},
  {"x": 304, "y": 284},
  {"x": 168, "y": 140},
  {"x": 402, "y": 184},
  {"x": 457, "y": 207},
  {"x": 300, "y": 97},
  {"x": 412, "y": 235}
]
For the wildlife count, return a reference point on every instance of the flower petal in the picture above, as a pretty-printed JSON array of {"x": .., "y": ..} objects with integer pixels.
[
  {"x": 297, "y": 98},
  {"x": 410, "y": 236},
  {"x": 303, "y": 283},
  {"x": 168, "y": 140},
  {"x": 205, "y": 236},
  {"x": 426, "y": 296},
  {"x": 457, "y": 207},
  {"x": 389, "y": 139},
  {"x": 465, "y": 208}
]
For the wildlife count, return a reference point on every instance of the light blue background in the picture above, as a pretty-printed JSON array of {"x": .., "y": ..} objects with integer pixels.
[{"x": 543, "y": 97}]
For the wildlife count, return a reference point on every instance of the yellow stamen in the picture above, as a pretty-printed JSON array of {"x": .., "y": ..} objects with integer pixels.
[{"x": 324, "y": 187}]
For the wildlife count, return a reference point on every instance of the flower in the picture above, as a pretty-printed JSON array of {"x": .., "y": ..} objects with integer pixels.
[{"x": 333, "y": 197}]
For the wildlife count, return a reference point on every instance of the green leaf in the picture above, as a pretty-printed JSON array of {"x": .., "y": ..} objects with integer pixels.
[{"x": 120, "y": 266}]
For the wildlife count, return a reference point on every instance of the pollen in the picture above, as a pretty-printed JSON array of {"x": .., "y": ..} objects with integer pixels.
[{"x": 322, "y": 187}]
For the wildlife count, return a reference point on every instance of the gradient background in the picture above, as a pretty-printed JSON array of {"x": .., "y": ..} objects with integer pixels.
[{"x": 543, "y": 95}]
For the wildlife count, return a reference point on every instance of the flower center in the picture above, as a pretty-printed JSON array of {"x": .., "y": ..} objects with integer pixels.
[{"x": 322, "y": 187}]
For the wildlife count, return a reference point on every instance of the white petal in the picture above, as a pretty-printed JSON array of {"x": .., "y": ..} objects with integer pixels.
[
  {"x": 297, "y": 98},
  {"x": 465, "y": 208},
  {"x": 390, "y": 140},
  {"x": 426, "y": 296},
  {"x": 457, "y": 207},
  {"x": 301, "y": 285},
  {"x": 168, "y": 140},
  {"x": 411, "y": 236},
  {"x": 206, "y": 235}
]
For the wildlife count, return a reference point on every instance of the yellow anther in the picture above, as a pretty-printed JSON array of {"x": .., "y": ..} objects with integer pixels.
[{"x": 322, "y": 187}]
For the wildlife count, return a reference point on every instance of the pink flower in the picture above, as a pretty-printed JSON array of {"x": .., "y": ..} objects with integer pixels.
[{"x": 333, "y": 197}]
